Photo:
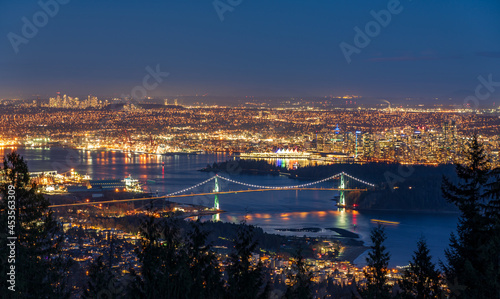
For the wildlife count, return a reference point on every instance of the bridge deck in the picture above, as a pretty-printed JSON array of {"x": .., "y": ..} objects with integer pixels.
[{"x": 200, "y": 194}]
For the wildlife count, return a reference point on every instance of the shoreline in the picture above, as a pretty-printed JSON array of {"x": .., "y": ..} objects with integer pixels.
[{"x": 353, "y": 247}]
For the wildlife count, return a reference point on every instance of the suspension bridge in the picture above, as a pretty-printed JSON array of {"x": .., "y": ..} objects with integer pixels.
[{"x": 346, "y": 183}]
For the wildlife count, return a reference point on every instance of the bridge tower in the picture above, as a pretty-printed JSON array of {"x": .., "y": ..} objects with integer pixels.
[
  {"x": 216, "y": 189},
  {"x": 342, "y": 192}
]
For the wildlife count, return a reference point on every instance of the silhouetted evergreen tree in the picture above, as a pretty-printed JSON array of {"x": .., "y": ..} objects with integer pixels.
[
  {"x": 204, "y": 280},
  {"x": 103, "y": 281},
  {"x": 174, "y": 266},
  {"x": 40, "y": 272},
  {"x": 492, "y": 214},
  {"x": 300, "y": 279},
  {"x": 245, "y": 280},
  {"x": 161, "y": 257},
  {"x": 377, "y": 262},
  {"x": 421, "y": 280},
  {"x": 472, "y": 256},
  {"x": 493, "y": 193},
  {"x": 100, "y": 275}
]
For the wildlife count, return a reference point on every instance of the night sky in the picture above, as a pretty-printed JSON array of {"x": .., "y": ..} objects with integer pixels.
[{"x": 261, "y": 48}]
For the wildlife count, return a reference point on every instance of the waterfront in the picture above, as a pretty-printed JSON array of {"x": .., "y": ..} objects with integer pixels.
[{"x": 269, "y": 210}]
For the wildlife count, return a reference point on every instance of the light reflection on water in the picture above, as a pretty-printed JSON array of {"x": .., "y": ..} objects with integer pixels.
[
  {"x": 269, "y": 210},
  {"x": 292, "y": 163}
]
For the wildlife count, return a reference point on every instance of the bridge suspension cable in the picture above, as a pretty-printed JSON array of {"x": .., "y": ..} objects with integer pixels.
[
  {"x": 356, "y": 179},
  {"x": 280, "y": 187},
  {"x": 192, "y": 187},
  {"x": 269, "y": 187}
]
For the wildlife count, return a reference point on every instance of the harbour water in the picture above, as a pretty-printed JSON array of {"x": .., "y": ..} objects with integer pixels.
[{"x": 268, "y": 210}]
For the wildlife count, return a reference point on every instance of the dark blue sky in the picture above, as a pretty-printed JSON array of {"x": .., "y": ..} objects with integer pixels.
[{"x": 262, "y": 48}]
